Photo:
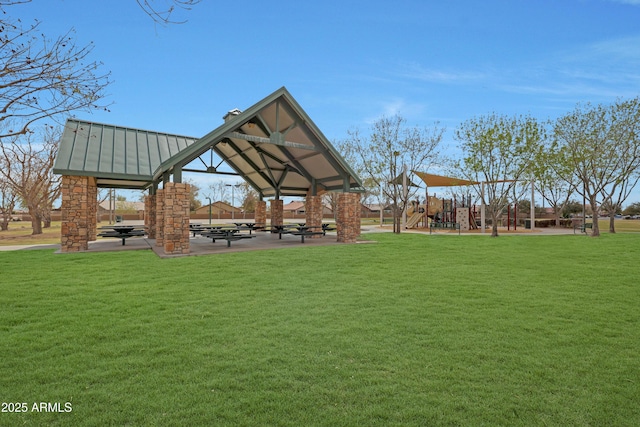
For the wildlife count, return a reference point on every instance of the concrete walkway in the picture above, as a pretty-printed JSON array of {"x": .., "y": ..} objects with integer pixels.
[{"x": 204, "y": 246}]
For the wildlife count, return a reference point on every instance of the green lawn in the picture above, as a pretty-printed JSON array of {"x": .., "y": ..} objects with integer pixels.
[{"x": 412, "y": 330}]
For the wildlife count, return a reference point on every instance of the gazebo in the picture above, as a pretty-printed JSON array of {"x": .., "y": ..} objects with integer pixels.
[{"x": 273, "y": 145}]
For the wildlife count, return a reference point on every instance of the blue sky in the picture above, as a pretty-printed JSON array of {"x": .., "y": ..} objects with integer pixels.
[{"x": 350, "y": 62}]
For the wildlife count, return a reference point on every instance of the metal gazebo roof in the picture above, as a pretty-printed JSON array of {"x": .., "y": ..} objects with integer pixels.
[
  {"x": 273, "y": 145},
  {"x": 117, "y": 156}
]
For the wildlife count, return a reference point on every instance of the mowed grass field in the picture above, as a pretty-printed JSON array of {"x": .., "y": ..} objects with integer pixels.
[
  {"x": 410, "y": 330},
  {"x": 19, "y": 233}
]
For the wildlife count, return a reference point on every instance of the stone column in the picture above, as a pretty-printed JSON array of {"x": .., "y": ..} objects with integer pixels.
[
  {"x": 313, "y": 213},
  {"x": 277, "y": 212},
  {"x": 261, "y": 212},
  {"x": 159, "y": 217},
  {"x": 92, "y": 200},
  {"x": 176, "y": 218},
  {"x": 150, "y": 215},
  {"x": 77, "y": 224},
  {"x": 348, "y": 217}
]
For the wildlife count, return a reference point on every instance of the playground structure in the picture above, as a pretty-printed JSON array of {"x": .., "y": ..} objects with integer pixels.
[
  {"x": 461, "y": 215},
  {"x": 444, "y": 213}
]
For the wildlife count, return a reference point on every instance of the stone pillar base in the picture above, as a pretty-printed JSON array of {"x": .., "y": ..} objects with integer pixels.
[
  {"x": 277, "y": 212},
  {"x": 313, "y": 214},
  {"x": 348, "y": 217},
  {"x": 150, "y": 215},
  {"x": 78, "y": 213},
  {"x": 261, "y": 212},
  {"x": 175, "y": 239}
]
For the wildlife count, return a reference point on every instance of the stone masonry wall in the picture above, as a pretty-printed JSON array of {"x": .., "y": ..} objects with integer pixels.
[
  {"x": 92, "y": 204},
  {"x": 176, "y": 218},
  {"x": 78, "y": 209},
  {"x": 159, "y": 217},
  {"x": 313, "y": 213},
  {"x": 277, "y": 212},
  {"x": 348, "y": 217},
  {"x": 261, "y": 212},
  {"x": 150, "y": 215}
]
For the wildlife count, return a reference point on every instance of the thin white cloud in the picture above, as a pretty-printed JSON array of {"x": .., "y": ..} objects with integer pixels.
[
  {"x": 631, "y": 2},
  {"x": 390, "y": 107},
  {"x": 600, "y": 70},
  {"x": 418, "y": 72}
]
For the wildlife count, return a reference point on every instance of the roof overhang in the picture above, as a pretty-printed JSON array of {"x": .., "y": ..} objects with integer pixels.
[
  {"x": 273, "y": 145},
  {"x": 277, "y": 149}
]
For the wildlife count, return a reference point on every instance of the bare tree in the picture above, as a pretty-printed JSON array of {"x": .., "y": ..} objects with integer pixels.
[
  {"x": 160, "y": 14},
  {"x": 29, "y": 172},
  {"x": 42, "y": 78},
  {"x": 248, "y": 196},
  {"x": 164, "y": 14},
  {"x": 8, "y": 201},
  {"x": 218, "y": 191},
  {"x": 382, "y": 156},
  {"x": 498, "y": 152}
]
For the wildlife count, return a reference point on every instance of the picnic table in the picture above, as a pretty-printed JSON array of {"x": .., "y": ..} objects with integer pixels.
[
  {"x": 122, "y": 231},
  {"x": 327, "y": 227},
  {"x": 578, "y": 225},
  {"x": 199, "y": 229},
  {"x": 281, "y": 229},
  {"x": 228, "y": 234},
  {"x": 247, "y": 226},
  {"x": 304, "y": 230}
]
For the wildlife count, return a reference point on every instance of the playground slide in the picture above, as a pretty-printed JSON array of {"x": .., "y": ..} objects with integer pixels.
[{"x": 415, "y": 218}]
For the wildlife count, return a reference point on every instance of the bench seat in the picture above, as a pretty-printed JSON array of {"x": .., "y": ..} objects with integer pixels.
[
  {"x": 451, "y": 225},
  {"x": 303, "y": 234}
]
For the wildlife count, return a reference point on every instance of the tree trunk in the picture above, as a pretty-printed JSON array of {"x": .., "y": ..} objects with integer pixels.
[
  {"x": 36, "y": 225},
  {"x": 36, "y": 221},
  {"x": 612, "y": 225},
  {"x": 595, "y": 231},
  {"x": 494, "y": 225}
]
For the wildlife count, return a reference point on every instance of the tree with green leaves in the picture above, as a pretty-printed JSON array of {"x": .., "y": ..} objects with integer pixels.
[
  {"x": 498, "y": 153},
  {"x": 554, "y": 178},
  {"x": 602, "y": 149},
  {"x": 632, "y": 209},
  {"x": 381, "y": 156}
]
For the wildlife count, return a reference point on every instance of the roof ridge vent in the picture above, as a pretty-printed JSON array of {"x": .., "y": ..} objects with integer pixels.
[{"x": 231, "y": 114}]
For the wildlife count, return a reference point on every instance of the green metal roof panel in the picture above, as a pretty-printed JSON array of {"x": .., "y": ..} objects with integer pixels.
[
  {"x": 115, "y": 152},
  {"x": 273, "y": 145}
]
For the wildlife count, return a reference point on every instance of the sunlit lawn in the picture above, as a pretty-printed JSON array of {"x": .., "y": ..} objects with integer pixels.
[
  {"x": 20, "y": 232},
  {"x": 412, "y": 330}
]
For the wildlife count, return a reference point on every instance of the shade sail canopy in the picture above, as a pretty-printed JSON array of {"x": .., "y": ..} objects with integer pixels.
[
  {"x": 442, "y": 181},
  {"x": 273, "y": 145}
]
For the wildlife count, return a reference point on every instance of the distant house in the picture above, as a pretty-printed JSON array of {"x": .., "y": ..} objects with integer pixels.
[
  {"x": 121, "y": 206},
  {"x": 218, "y": 208},
  {"x": 294, "y": 208},
  {"x": 375, "y": 208}
]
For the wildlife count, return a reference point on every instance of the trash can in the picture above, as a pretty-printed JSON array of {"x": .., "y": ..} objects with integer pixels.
[
  {"x": 118, "y": 218},
  {"x": 527, "y": 224}
]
